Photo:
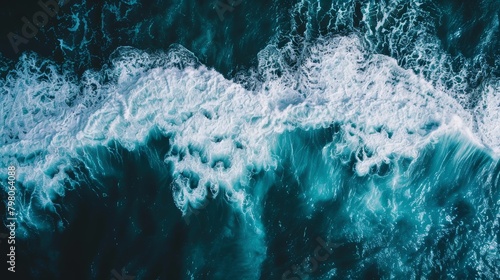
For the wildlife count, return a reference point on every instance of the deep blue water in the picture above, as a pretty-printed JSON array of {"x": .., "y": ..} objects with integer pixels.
[{"x": 272, "y": 140}]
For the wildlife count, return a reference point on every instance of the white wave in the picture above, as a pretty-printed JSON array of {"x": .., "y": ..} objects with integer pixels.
[{"x": 220, "y": 131}]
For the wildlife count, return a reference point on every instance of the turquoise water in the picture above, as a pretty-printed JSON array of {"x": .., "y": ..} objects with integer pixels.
[{"x": 281, "y": 140}]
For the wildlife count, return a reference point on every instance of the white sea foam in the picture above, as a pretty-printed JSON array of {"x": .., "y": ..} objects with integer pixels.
[
  {"x": 220, "y": 130},
  {"x": 488, "y": 116}
]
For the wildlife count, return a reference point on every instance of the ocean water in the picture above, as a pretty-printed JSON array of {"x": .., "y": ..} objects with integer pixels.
[{"x": 253, "y": 140}]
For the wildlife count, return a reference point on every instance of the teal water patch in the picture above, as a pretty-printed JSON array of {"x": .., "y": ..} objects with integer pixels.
[
  {"x": 423, "y": 218},
  {"x": 122, "y": 199}
]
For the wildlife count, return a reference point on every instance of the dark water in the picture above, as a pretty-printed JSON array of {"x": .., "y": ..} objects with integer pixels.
[{"x": 272, "y": 140}]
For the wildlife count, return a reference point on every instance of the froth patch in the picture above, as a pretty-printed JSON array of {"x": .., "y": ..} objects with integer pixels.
[
  {"x": 488, "y": 116},
  {"x": 221, "y": 132}
]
